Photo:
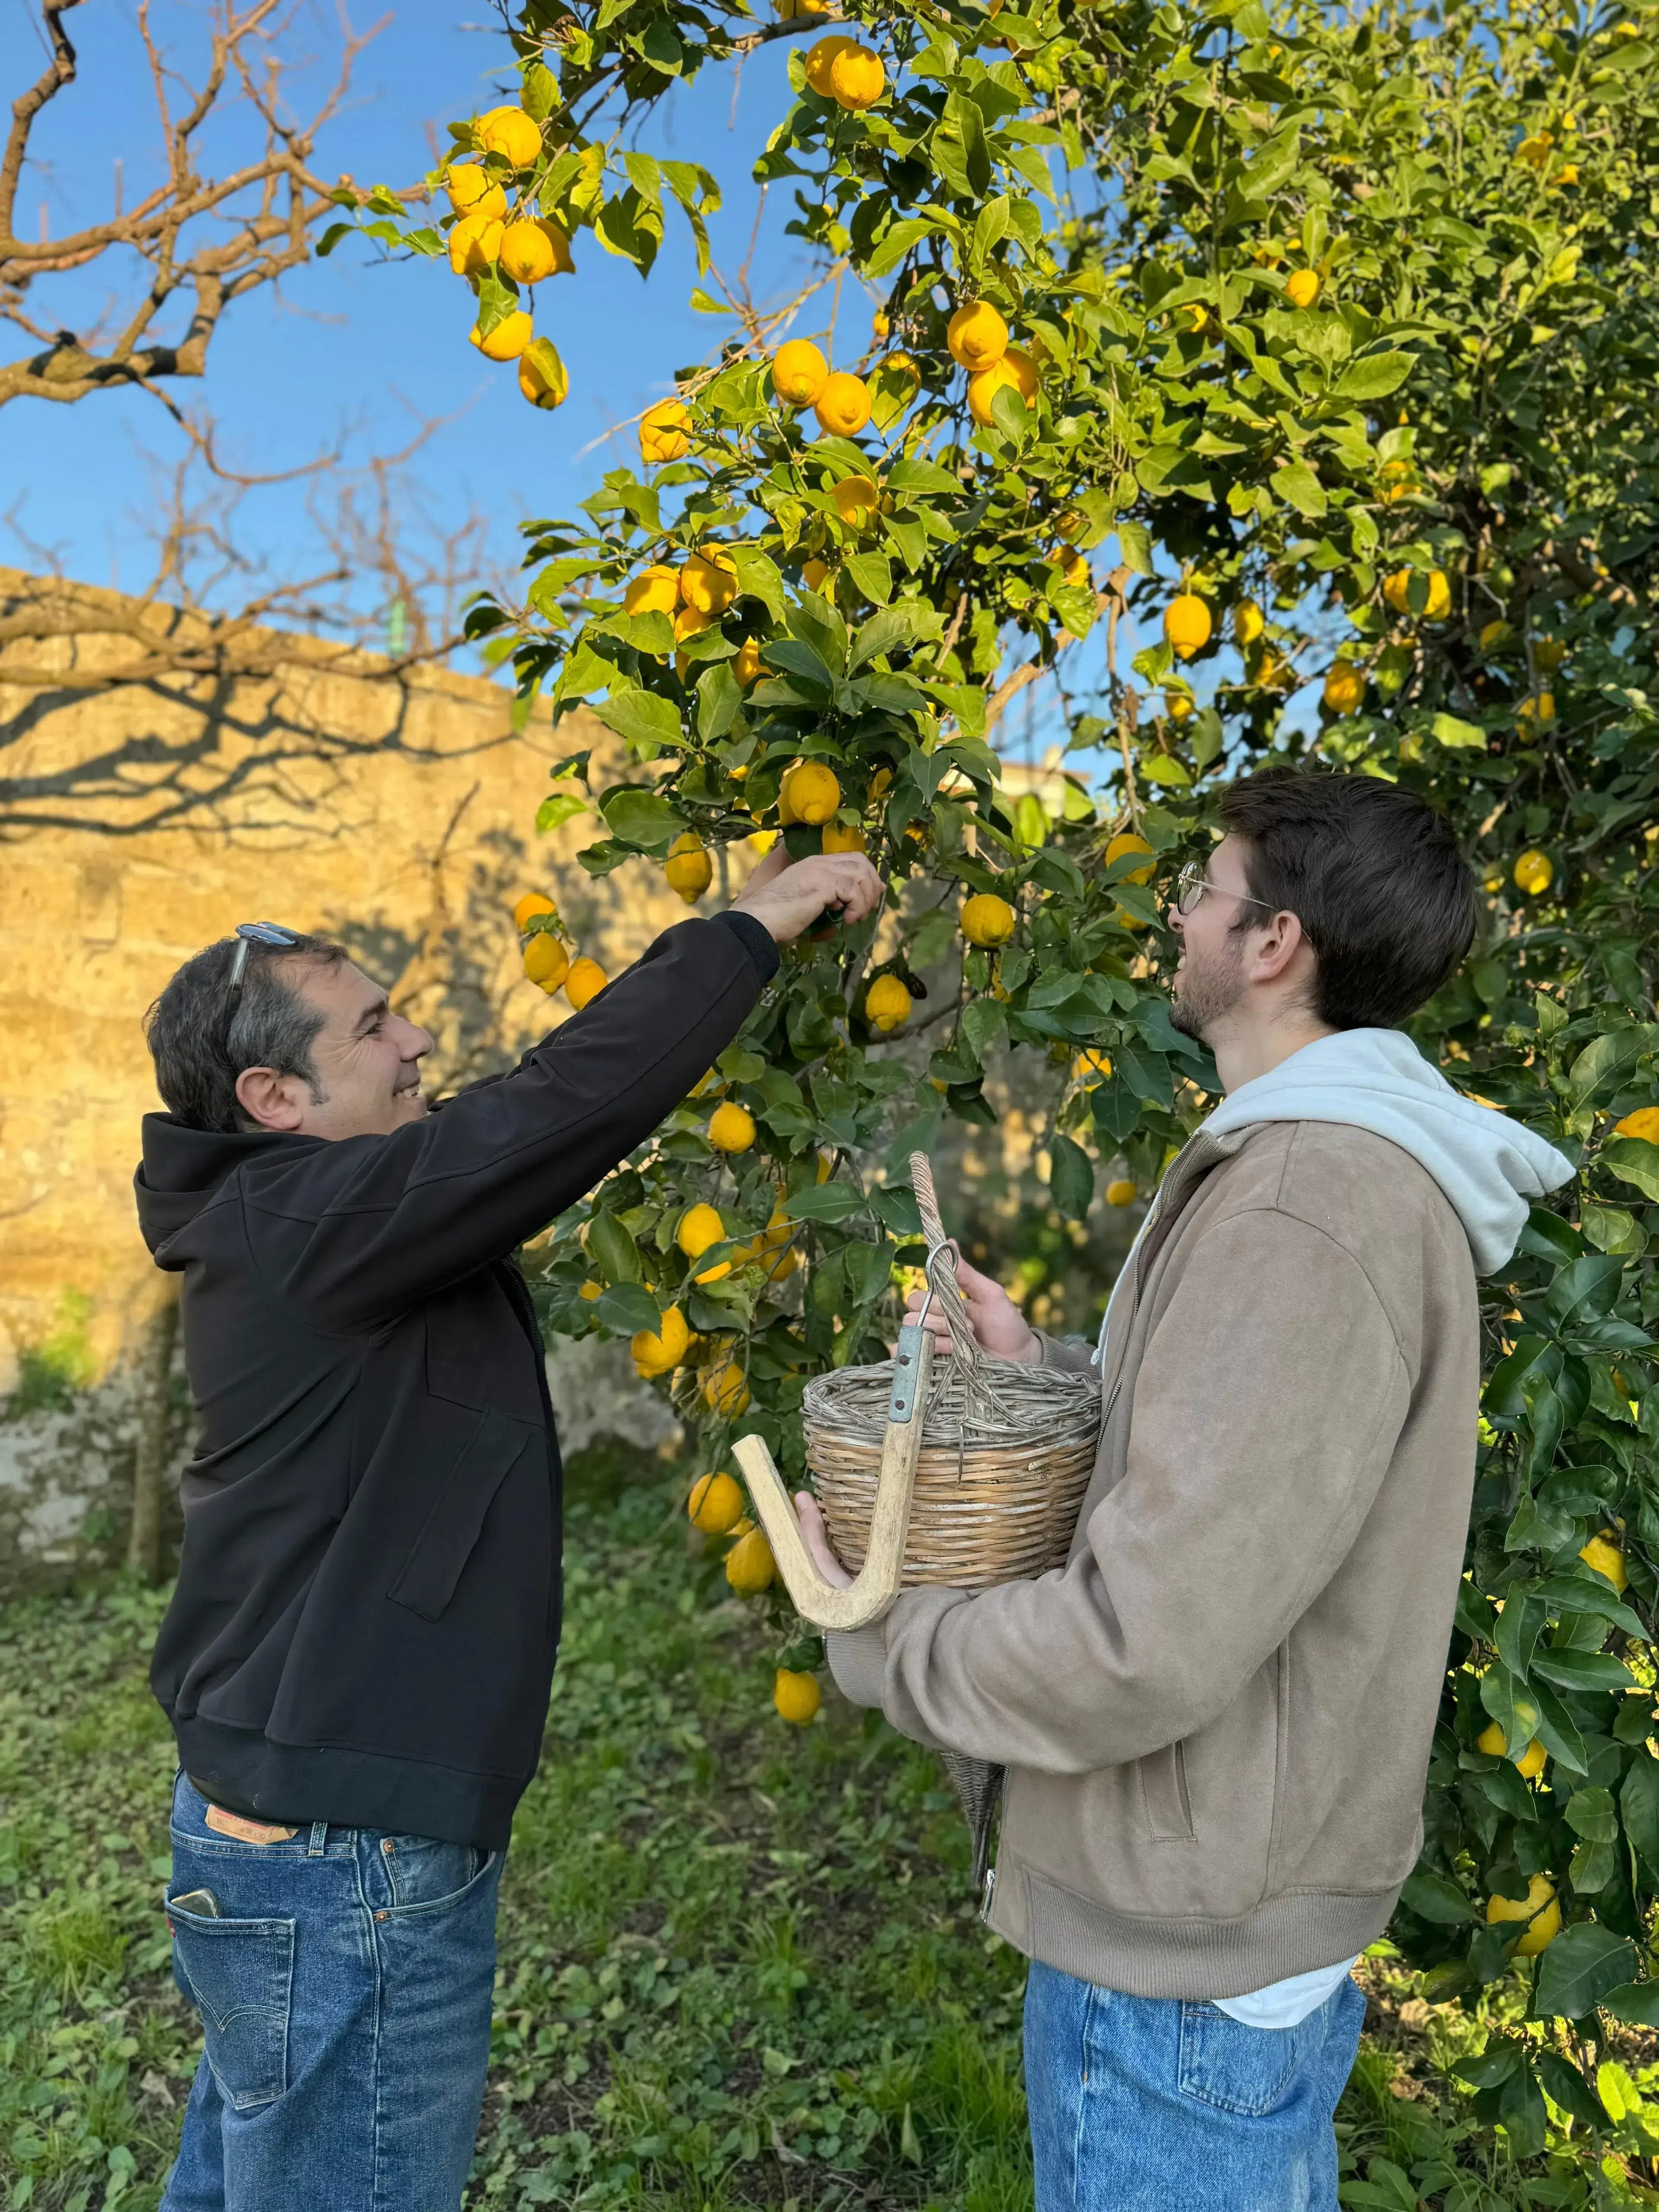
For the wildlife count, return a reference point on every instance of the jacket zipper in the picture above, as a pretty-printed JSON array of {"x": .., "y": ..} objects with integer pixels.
[{"x": 990, "y": 1884}]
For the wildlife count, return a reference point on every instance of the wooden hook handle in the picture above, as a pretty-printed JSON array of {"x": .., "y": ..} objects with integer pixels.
[{"x": 869, "y": 1596}]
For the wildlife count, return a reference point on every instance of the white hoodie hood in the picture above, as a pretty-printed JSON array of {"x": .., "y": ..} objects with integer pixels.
[{"x": 1489, "y": 1167}]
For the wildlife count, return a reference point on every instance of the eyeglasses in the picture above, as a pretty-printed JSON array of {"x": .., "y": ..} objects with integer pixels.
[
  {"x": 249, "y": 933},
  {"x": 1192, "y": 882}
]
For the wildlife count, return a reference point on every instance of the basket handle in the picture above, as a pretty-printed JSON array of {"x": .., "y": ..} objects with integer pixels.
[{"x": 869, "y": 1596}]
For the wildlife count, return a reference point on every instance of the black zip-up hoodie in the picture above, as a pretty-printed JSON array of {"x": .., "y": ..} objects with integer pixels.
[{"x": 367, "y": 1607}]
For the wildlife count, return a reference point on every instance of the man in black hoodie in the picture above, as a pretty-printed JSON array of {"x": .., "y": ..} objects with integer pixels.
[{"x": 357, "y": 1658}]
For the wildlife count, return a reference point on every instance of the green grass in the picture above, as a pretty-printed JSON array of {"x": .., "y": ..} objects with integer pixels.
[{"x": 740, "y": 1966}]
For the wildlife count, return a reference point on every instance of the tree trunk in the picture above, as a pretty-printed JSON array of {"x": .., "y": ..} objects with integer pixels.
[{"x": 150, "y": 1461}]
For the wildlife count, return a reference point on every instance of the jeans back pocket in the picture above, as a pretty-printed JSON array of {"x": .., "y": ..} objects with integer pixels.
[
  {"x": 1238, "y": 2068},
  {"x": 240, "y": 1976}
]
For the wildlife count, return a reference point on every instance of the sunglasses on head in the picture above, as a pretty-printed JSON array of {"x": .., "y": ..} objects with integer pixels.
[{"x": 250, "y": 933}]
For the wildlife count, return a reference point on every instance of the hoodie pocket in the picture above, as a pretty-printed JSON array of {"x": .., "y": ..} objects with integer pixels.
[
  {"x": 1164, "y": 1799},
  {"x": 426, "y": 1581}
]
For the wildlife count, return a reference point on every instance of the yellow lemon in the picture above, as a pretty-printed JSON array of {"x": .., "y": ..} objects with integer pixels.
[
  {"x": 855, "y": 499},
  {"x": 663, "y": 431},
  {"x": 725, "y": 1392},
  {"x": 545, "y": 961},
  {"x": 1074, "y": 571},
  {"x": 526, "y": 252},
  {"x": 976, "y": 336},
  {"x": 1539, "y": 1907},
  {"x": 800, "y": 371},
  {"x": 1397, "y": 593},
  {"x": 661, "y": 1350},
  {"x": 1540, "y": 709},
  {"x": 1249, "y": 623},
  {"x": 887, "y": 1004},
  {"x": 1186, "y": 624},
  {"x": 730, "y": 1127},
  {"x": 531, "y": 904},
  {"x": 699, "y": 1227},
  {"x": 1127, "y": 841},
  {"x": 474, "y": 243},
  {"x": 816, "y": 66},
  {"x": 511, "y": 133},
  {"x": 1013, "y": 372},
  {"x": 814, "y": 575},
  {"x": 842, "y": 407},
  {"x": 1535, "y": 872},
  {"x": 1089, "y": 1069},
  {"x": 507, "y": 340},
  {"x": 811, "y": 790},
  {"x": 842, "y": 838},
  {"x": 1494, "y": 634},
  {"x": 1345, "y": 688},
  {"x": 881, "y": 326},
  {"x": 590, "y": 1291},
  {"x": 542, "y": 377},
  {"x": 797, "y": 1697},
  {"x": 654, "y": 590},
  {"x": 585, "y": 981},
  {"x": 1603, "y": 1555},
  {"x": 987, "y": 920},
  {"x": 715, "y": 1504},
  {"x": 1548, "y": 653},
  {"x": 1121, "y": 1191},
  {"x": 1303, "y": 290},
  {"x": 749, "y": 1566},
  {"x": 857, "y": 79},
  {"x": 688, "y": 868},
  {"x": 473, "y": 191},
  {"x": 709, "y": 581},
  {"x": 1181, "y": 706},
  {"x": 1531, "y": 1761},
  {"x": 1642, "y": 1123}
]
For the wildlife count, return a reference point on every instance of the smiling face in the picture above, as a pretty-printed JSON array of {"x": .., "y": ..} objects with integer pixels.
[
  {"x": 367, "y": 1058},
  {"x": 1210, "y": 978}
]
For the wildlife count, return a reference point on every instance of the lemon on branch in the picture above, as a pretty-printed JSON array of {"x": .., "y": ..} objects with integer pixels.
[
  {"x": 709, "y": 581},
  {"x": 474, "y": 243},
  {"x": 1012, "y": 371},
  {"x": 715, "y": 1504},
  {"x": 856, "y": 499},
  {"x": 725, "y": 1392},
  {"x": 796, "y": 1696},
  {"x": 730, "y": 1127},
  {"x": 473, "y": 191},
  {"x": 545, "y": 961},
  {"x": 531, "y": 904},
  {"x": 1187, "y": 624},
  {"x": 1249, "y": 623},
  {"x": 747, "y": 665},
  {"x": 977, "y": 335},
  {"x": 1642, "y": 1123},
  {"x": 812, "y": 791},
  {"x": 1127, "y": 841},
  {"x": 1535, "y": 872},
  {"x": 542, "y": 377},
  {"x": 1089, "y": 1069},
  {"x": 987, "y": 920},
  {"x": 1529, "y": 1765},
  {"x": 1437, "y": 601},
  {"x": 663, "y": 431},
  {"x": 749, "y": 1566},
  {"x": 659, "y": 1351},
  {"x": 800, "y": 371},
  {"x": 842, "y": 407},
  {"x": 689, "y": 869},
  {"x": 1603, "y": 1555},
  {"x": 510, "y": 133},
  {"x": 842, "y": 838},
  {"x": 816, "y": 65},
  {"x": 585, "y": 981},
  {"x": 857, "y": 79},
  {"x": 1303, "y": 288},
  {"x": 1540, "y": 709},
  {"x": 887, "y": 1004},
  {"x": 507, "y": 340},
  {"x": 1121, "y": 1191},
  {"x": 1538, "y": 1908},
  {"x": 814, "y": 575},
  {"x": 530, "y": 251},
  {"x": 699, "y": 1227},
  {"x": 1344, "y": 691},
  {"x": 654, "y": 590}
]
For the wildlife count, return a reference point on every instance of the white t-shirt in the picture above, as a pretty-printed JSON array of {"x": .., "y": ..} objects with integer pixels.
[{"x": 1284, "y": 2004}]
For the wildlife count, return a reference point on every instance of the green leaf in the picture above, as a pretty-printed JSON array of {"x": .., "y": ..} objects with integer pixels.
[
  {"x": 1374, "y": 376},
  {"x": 1566, "y": 2087},
  {"x": 1449, "y": 731},
  {"x": 1578, "y": 1969},
  {"x": 644, "y": 819},
  {"x": 826, "y": 1202},
  {"x": 644, "y": 718},
  {"x": 719, "y": 698},
  {"x": 1634, "y": 1161},
  {"x": 1071, "y": 1176},
  {"x": 1638, "y": 2002},
  {"x": 627, "y": 1307},
  {"x": 896, "y": 242},
  {"x": 1638, "y": 1805},
  {"x": 1300, "y": 488},
  {"x": 612, "y": 1249},
  {"x": 1431, "y": 1897},
  {"x": 562, "y": 806}
]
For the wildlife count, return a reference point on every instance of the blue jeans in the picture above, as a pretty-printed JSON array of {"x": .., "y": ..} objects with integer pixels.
[
  {"x": 1157, "y": 2104},
  {"x": 344, "y": 1992}
]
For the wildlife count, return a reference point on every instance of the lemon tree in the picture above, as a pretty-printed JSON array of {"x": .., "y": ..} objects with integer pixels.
[{"x": 1319, "y": 353}]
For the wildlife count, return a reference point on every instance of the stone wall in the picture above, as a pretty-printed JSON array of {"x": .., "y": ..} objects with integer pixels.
[{"x": 139, "y": 820}]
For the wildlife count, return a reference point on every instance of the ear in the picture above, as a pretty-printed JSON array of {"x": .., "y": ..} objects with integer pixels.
[
  {"x": 271, "y": 1100},
  {"x": 1279, "y": 949}
]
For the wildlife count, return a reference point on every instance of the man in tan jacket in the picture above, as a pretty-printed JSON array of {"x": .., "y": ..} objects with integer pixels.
[{"x": 1216, "y": 1718}]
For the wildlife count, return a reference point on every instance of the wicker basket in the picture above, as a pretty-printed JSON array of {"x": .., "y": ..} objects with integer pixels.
[{"x": 1007, "y": 1450}]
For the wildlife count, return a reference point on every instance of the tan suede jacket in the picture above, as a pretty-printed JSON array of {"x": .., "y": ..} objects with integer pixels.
[{"x": 1217, "y": 1715}]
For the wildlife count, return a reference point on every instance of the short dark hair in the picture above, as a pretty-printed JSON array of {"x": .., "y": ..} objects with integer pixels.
[
  {"x": 1373, "y": 874},
  {"x": 199, "y": 1055}
]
